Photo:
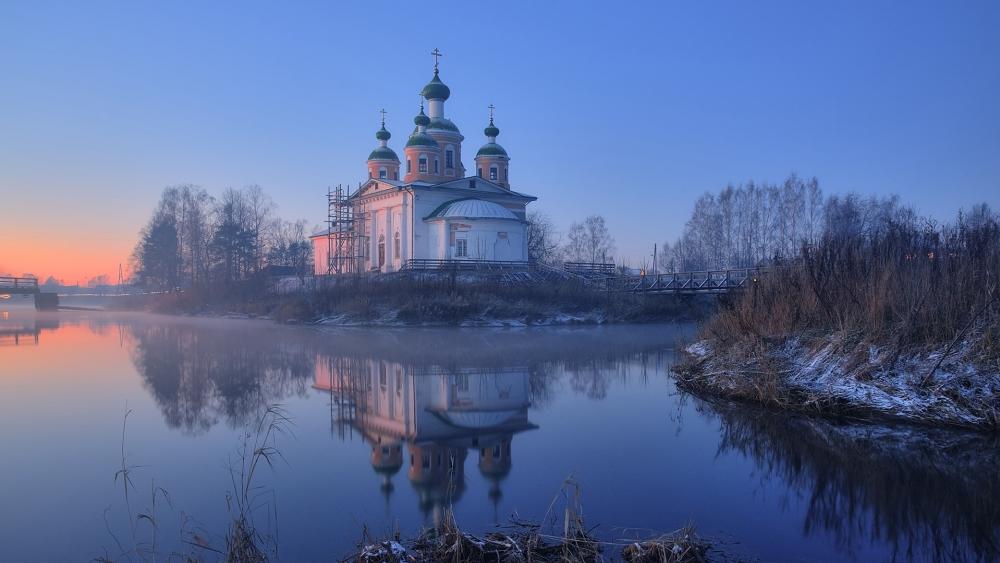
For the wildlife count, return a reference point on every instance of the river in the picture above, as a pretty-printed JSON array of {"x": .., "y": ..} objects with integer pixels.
[{"x": 390, "y": 427}]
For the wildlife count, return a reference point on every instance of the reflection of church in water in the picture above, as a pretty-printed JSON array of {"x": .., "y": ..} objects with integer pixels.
[{"x": 440, "y": 415}]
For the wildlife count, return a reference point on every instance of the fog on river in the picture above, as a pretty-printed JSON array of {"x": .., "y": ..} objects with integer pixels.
[{"x": 391, "y": 427}]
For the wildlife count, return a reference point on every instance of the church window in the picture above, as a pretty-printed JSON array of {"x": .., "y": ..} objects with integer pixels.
[
  {"x": 504, "y": 176},
  {"x": 496, "y": 451},
  {"x": 395, "y": 247},
  {"x": 382, "y": 173},
  {"x": 425, "y": 463},
  {"x": 409, "y": 166},
  {"x": 479, "y": 172},
  {"x": 461, "y": 248},
  {"x": 493, "y": 173},
  {"x": 435, "y": 166},
  {"x": 449, "y": 159},
  {"x": 395, "y": 175},
  {"x": 369, "y": 173},
  {"x": 381, "y": 251},
  {"x": 422, "y": 164}
]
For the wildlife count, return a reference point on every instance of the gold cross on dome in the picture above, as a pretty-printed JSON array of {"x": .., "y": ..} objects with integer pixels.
[{"x": 437, "y": 54}]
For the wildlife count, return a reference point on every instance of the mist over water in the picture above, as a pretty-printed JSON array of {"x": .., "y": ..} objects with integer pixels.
[{"x": 390, "y": 427}]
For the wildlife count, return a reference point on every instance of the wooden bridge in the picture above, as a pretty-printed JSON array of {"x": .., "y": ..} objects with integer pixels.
[
  {"x": 28, "y": 286},
  {"x": 712, "y": 281},
  {"x": 605, "y": 277}
]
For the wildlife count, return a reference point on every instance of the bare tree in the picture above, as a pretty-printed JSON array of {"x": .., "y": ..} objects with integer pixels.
[
  {"x": 542, "y": 239},
  {"x": 749, "y": 224},
  {"x": 590, "y": 241}
]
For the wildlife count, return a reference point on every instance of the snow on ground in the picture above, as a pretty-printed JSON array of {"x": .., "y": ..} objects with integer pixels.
[{"x": 957, "y": 393}]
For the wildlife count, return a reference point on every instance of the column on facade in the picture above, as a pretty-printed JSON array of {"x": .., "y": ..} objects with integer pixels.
[
  {"x": 389, "y": 256},
  {"x": 404, "y": 230},
  {"x": 373, "y": 240},
  {"x": 443, "y": 240}
]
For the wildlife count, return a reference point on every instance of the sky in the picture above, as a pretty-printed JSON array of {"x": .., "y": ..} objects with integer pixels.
[{"x": 626, "y": 109}]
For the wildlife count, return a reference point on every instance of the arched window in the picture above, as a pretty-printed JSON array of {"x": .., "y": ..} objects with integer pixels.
[
  {"x": 422, "y": 164},
  {"x": 381, "y": 251},
  {"x": 436, "y": 170},
  {"x": 504, "y": 176},
  {"x": 396, "y": 252},
  {"x": 382, "y": 173},
  {"x": 449, "y": 159},
  {"x": 479, "y": 172},
  {"x": 409, "y": 166},
  {"x": 493, "y": 173}
]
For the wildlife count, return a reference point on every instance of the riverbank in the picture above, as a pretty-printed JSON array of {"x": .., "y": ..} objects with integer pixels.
[
  {"x": 843, "y": 375},
  {"x": 431, "y": 301},
  {"x": 895, "y": 320}
]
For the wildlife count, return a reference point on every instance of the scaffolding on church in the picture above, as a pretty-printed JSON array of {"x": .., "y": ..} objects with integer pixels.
[{"x": 345, "y": 236}]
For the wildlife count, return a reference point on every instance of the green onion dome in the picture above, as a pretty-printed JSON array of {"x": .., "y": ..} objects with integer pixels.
[
  {"x": 435, "y": 89},
  {"x": 383, "y": 134},
  {"x": 491, "y": 149},
  {"x": 440, "y": 124},
  {"x": 421, "y": 119},
  {"x": 383, "y": 153},
  {"x": 421, "y": 140},
  {"x": 491, "y": 130}
]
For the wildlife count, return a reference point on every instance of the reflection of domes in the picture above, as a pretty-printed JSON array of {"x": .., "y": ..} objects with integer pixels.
[
  {"x": 387, "y": 459},
  {"x": 435, "y": 89}
]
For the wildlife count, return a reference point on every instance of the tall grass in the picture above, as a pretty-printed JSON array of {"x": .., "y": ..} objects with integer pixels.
[
  {"x": 898, "y": 294},
  {"x": 899, "y": 284}
]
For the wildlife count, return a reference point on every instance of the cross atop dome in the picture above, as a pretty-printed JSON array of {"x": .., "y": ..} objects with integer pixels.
[{"x": 436, "y": 54}]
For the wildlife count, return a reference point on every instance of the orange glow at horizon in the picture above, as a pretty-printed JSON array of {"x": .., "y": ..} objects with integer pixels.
[{"x": 73, "y": 258}]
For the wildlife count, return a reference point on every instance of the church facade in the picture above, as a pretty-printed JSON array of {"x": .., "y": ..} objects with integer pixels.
[{"x": 425, "y": 206}]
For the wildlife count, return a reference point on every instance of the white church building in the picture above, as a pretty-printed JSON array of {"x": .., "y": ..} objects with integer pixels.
[{"x": 424, "y": 208}]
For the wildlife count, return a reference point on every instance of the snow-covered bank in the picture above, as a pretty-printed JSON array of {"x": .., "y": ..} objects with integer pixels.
[{"x": 834, "y": 376}]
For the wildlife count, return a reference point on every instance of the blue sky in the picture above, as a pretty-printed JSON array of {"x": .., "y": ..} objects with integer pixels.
[{"x": 627, "y": 109}]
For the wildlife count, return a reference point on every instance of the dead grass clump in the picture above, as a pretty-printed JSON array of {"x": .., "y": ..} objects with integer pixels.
[{"x": 682, "y": 546}]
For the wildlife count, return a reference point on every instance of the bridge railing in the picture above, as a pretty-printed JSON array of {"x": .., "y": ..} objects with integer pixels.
[
  {"x": 679, "y": 282},
  {"x": 426, "y": 264},
  {"x": 590, "y": 268},
  {"x": 18, "y": 285}
]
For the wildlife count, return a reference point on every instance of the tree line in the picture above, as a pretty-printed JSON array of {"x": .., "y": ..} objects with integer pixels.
[{"x": 196, "y": 239}]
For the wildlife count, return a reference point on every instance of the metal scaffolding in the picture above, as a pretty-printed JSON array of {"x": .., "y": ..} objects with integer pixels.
[{"x": 347, "y": 242}]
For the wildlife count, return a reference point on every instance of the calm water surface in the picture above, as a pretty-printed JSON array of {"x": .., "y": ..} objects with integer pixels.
[{"x": 392, "y": 426}]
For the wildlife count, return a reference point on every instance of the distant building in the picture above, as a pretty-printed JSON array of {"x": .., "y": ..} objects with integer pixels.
[{"x": 426, "y": 207}]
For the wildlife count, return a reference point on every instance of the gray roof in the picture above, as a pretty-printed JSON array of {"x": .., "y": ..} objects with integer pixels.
[{"x": 472, "y": 208}]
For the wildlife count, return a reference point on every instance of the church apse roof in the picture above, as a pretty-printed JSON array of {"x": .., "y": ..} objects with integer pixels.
[{"x": 472, "y": 208}]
